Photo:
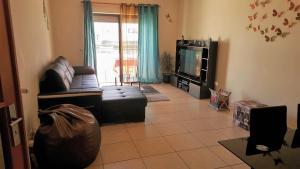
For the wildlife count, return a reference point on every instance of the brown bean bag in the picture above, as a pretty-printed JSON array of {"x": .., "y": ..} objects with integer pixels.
[{"x": 69, "y": 137}]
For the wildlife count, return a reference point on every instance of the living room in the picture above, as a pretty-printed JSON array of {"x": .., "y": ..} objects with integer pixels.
[{"x": 182, "y": 132}]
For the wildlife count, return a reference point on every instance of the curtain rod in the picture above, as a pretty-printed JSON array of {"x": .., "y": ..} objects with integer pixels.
[
  {"x": 105, "y": 3},
  {"x": 111, "y": 3}
]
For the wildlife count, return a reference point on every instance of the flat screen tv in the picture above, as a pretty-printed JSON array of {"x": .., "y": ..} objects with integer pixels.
[{"x": 190, "y": 62}]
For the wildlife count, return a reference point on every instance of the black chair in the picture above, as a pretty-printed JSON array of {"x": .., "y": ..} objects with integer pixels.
[
  {"x": 268, "y": 126},
  {"x": 298, "y": 117},
  {"x": 296, "y": 140}
]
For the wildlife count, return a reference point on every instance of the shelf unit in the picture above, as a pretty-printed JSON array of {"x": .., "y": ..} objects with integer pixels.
[{"x": 197, "y": 86}]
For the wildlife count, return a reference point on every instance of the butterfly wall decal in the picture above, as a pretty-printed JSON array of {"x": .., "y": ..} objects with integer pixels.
[
  {"x": 278, "y": 31},
  {"x": 284, "y": 34},
  {"x": 292, "y": 24},
  {"x": 253, "y": 17},
  {"x": 266, "y": 30},
  {"x": 292, "y": 6},
  {"x": 254, "y": 29},
  {"x": 297, "y": 8},
  {"x": 273, "y": 27},
  {"x": 265, "y": 16},
  {"x": 261, "y": 22},
  {"x": 270, "y": 39},
  {"x": 254, "y": 5},
  {"x": 285, "y": 22},
  {"x": 276, "y": 13},
  {"x": 264, "y": 3},
  {"x": 249, "y": 27},
  {"x": 298, "y": 17}
]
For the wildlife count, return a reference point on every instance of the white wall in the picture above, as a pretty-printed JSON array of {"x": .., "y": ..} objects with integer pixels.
[
  {"x": 247, "y": 65},
  {"x": 67, "y": 22},
  {"x": 33, "y": 50}
]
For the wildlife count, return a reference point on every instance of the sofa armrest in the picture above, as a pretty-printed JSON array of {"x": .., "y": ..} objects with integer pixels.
[
  {"x": 90, "y": 100},
  {"x": 83, "y": 70},
  {"x": 72, "y": 93}
]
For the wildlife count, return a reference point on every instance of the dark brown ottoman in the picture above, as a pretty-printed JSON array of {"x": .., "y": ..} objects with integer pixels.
[{"x": 123, "y": 104}]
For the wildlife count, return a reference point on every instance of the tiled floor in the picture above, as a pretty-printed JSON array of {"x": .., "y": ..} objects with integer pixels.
[{"x": 177, "y": 134}]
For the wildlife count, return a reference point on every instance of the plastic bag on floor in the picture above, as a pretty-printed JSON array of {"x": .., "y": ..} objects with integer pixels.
[{"x": 69, "y": 137}]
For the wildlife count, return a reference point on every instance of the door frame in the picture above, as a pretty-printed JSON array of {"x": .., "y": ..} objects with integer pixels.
[{"x": 5, "y": 117}]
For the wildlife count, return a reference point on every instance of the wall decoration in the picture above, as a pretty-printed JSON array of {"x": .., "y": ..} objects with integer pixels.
[
  {"x": 298, "y": 17},
  {"x": 168, "y": 16},
  {"x": 264, "y": 3},
  {"x": 283, "y": 18},
  {"x": 45, "y": 14}
]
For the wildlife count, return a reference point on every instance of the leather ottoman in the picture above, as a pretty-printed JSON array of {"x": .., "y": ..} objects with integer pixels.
[{"x": 123, "y": 104}]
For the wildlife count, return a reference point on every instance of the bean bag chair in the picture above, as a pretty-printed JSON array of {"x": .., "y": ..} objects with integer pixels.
[{"x": 68, "y": 138}]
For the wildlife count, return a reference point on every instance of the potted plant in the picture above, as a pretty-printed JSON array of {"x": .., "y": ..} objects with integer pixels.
[{"x": 166, "y": 66}]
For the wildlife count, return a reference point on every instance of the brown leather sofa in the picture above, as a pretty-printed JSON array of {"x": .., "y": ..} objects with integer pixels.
[{"x": 64, "y": 84}]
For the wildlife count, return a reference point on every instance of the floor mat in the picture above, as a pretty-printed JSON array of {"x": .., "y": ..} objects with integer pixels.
[{"x": 153, "y": 95}]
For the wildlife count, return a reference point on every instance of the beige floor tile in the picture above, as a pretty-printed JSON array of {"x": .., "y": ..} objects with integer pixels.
[
  {"x": 166, "y": 161},
  {"x": 114, "y": 135},
  {"x": 225, "y": 155},
  {"x": 160, "y": 119},
  {"x": 241, "y": 166},
  {"x": 170, "y": 129},
  {"x": 143, "y": 132},
  {"x": 197, "y": 125},
  {"x": 183, "y": 142},
  {"x": 188, "y": 116},
  {"x": 184, "y": 124},
  {"x": 234, "y": 132},
  {"x": 98, "y": 161},
  {"x": 110, "y": 127},
  {"x": 209, "y": 137},
  {"x": 201, "y": 159},
  {"x": 137, "y": 124},
  {"x": 220, "y": 123},
  {"x": 153, "y": 146},
  {"x": 130, "y": 164},
  {"x": 118, "y": 152},
  {"x": 94, "y": 167}
]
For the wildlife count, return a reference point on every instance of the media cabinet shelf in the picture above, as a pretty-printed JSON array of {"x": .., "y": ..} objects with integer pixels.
[
  {"x": 203, "y": 71},
  {"x": 188, "y": 78}
]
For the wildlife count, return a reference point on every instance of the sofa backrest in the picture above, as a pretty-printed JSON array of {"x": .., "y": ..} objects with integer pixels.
[
  {"x": 62, "y": 60},
  {"x": 58, "y": 76}
]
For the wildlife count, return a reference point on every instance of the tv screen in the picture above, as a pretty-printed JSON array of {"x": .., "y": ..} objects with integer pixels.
[{"x": 190, "y": 62}]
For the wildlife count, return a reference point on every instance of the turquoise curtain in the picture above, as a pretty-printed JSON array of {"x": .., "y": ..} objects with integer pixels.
[
  {"x": 148, "y": 53},
  {"x": 89, "y": 36}
]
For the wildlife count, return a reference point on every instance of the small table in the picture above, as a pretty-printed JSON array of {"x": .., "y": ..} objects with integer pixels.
[
  {"x": 285, "y": 155},
  {"x": 128, "y": 79}
]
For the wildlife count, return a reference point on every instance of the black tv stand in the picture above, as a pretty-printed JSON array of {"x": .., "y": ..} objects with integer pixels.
[{"x": 197, "y": 86}]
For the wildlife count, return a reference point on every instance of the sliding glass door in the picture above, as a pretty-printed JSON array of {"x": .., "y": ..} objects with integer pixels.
[
  {"x": 107, "y": 47},
  {"x": 129, "y": 51},
  {"x": 116, "y": 49}
]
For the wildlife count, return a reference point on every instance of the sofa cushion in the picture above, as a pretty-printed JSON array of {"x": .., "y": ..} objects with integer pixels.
[{"x": 84, "y": 82}]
